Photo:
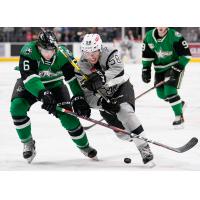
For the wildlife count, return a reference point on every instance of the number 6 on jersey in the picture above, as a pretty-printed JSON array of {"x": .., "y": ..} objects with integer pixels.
[{"x": 26, "y": 65}]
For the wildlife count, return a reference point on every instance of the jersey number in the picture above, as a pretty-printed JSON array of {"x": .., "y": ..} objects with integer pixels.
[
  {"x": 26, "y": 65},
  {"x": 185, "y": 44},
  {"x": 115, "y": 59},
  {"x": 143, "y": 46}
]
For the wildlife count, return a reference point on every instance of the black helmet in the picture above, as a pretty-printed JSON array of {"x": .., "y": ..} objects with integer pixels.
[{"x": 47, "y": 40}]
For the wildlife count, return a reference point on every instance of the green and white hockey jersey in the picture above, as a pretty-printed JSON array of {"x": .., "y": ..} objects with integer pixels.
[
  {"x": 165, "y": 52},
  {"x": 39, "y": 74}
]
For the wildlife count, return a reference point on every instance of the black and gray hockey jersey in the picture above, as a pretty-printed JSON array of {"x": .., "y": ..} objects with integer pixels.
[{"x": 112, "y": 67}]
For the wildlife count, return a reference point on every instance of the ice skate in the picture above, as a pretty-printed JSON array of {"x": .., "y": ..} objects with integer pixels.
[
  {"x": 146, "y": 154},
  {"x": 178, "y": 123},
  {"x": 90, "y": 152},
  {"x": 29, "y": 151}
]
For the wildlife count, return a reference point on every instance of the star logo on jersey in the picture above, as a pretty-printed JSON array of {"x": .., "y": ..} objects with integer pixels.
[
  {"x": 163, "y": 54},
  {"x": 20, "y": 89},
  {"x": 28, "y": 51}
]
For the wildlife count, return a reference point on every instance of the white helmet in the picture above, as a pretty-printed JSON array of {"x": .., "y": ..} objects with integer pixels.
[{"x": 91, "y": 43}]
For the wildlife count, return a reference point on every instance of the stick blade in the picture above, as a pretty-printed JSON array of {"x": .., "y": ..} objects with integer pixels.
[
  {"x": 88, "y": 127},
  {"x": 190, "y": 144}
]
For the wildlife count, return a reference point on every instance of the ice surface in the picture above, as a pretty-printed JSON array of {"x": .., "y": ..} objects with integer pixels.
[{"x": 56, "y": 151}]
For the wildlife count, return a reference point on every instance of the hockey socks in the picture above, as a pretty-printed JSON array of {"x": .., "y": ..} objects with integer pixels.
[{"x": 79, "y": 137}]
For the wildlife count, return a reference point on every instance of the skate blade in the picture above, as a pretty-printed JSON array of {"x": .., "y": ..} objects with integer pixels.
[
  {"x": 95, "y": 158},
  {"x": 29, "y": 160},
  {"x": 177, "y": 127},
  {"x": 150, "y": 164}
]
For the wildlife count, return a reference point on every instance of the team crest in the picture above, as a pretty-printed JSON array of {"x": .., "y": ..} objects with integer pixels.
[
  {"x": 20, "y": 89},
  {"x": 28, "y": 51},
  {"x": 163, "y": 54}
]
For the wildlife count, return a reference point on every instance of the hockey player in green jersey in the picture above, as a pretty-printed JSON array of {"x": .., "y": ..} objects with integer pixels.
[
  {"x": 168, "y": 51},
  {"x": 42, "y": 68}
]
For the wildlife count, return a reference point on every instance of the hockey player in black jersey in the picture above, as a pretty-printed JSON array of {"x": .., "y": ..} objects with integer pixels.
[{"x": 106, "y": 78}]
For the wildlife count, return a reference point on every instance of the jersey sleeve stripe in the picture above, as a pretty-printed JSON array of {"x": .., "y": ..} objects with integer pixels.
[
  {"x": 110, "y": 56},
  {"x": 71, "y": 79},
  {"x": 30, "y": 77},
  {"x": 148, "y": 59}
]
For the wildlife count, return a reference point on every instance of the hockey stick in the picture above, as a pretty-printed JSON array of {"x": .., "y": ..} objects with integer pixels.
[
  {"x": 155, "y": 86},
  {"x": 89, "y": 127},
  {"x": 190, "y": 144},
  {"x": 72, "y": 61},
  {"x": 66, "y": 54}
]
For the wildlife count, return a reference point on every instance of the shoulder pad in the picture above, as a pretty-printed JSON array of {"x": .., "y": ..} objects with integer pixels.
[
  {"x": 67, "y": 51},
  {"x": 29, "y": 50},
  {"x": 177, "y": 34},
  {"x": 63, "y": 55},
  {"x": 105, "y": 54}
]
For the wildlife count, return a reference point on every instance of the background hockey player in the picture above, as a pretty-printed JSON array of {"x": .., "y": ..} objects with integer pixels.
[
  {"x": 126, "y": 47},
  {"x": 169, "y": 52},
  {"x": 105, "y": 73},
  {"x": 42, "y": 68}
]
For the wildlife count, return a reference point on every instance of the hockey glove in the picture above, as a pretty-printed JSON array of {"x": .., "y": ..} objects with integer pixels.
[
  {"x": 95, "y": 81},
  {"x": 48, "y": 100},
  {"x": 112, "y": 108},
  {"x": 174, "y": 76},
  {"x": 80, "y": 106},
  {"x": 146, "y": 75}
]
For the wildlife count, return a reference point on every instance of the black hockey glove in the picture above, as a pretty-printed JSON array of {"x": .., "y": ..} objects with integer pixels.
[
  {"x": 48, "y": 100},
  {"x": 146, "y": 75},
  {"x": 80, "y": 106},
  {"x": 95, "y": 81},
  {"x": 174, "y": 76},
  {"x": 111, "y": 107}
]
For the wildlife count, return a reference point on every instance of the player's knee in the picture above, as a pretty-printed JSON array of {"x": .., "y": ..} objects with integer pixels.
[
  {"x": 160, "y": 94},
  {"x": 170, "y": 91},
  {"x": 69, "y": 122},
  {"x": 18, "y": 107}
]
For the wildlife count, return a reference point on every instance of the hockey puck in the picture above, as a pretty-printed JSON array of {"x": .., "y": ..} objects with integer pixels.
[{"x": 127, "y": 160}]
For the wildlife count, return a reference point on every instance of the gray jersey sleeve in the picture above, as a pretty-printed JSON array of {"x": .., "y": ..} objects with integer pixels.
[
  {"x": 111, "y": 60},
  {"x": 113, "y": 67}
]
